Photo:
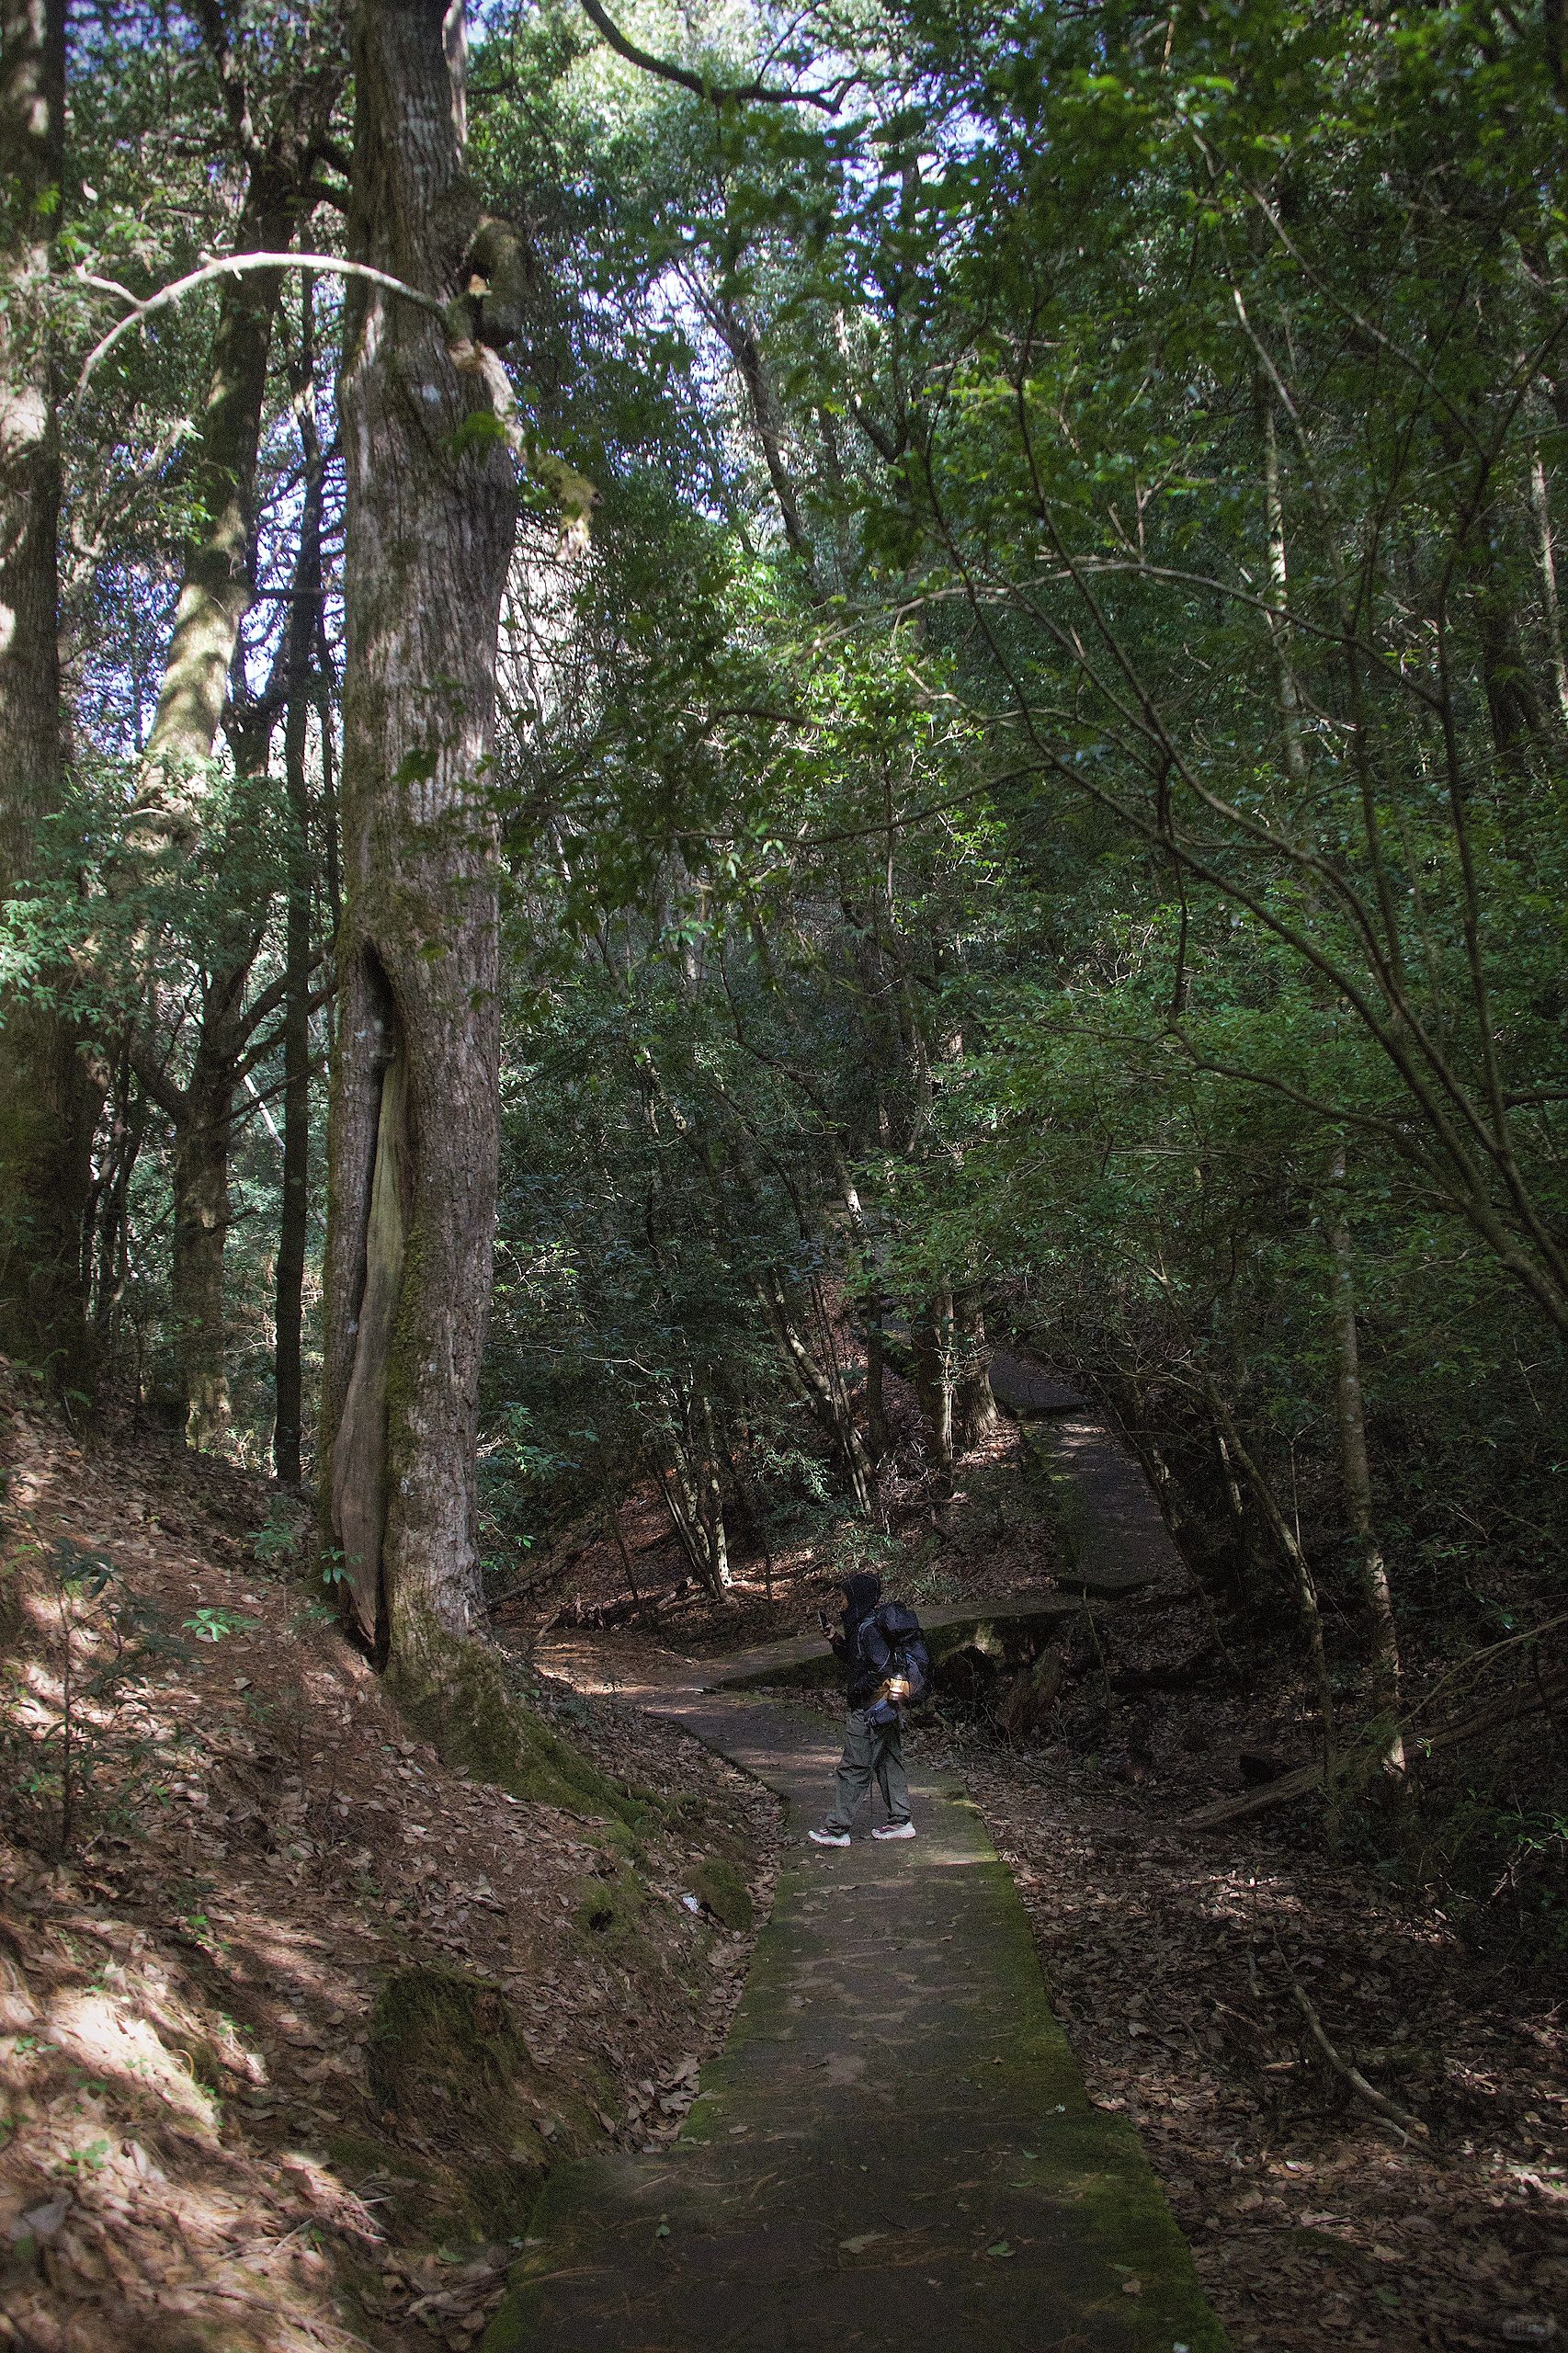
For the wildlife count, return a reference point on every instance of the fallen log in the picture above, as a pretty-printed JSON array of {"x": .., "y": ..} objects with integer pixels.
[{"x": 1513, "y": 1708}]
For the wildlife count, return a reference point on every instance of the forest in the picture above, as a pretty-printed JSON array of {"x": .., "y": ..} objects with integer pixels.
[{"x": 783, "y": 793}]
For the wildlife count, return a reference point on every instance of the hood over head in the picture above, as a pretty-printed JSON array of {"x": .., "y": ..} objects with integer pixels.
[{"x": 862, "y": 1592}]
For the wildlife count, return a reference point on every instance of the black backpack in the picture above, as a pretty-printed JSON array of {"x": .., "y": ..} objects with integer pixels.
[{"x": 892, "y": 1646}]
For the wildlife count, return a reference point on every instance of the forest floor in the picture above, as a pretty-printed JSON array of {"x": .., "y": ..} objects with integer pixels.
[
  {"x": 1180, "y": 1961},
  {"x": 213, "y": 2134},
  {"x": 294, "y": 2028}
]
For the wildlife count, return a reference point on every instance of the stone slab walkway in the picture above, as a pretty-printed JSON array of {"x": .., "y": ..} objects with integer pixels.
[
  {"x": 1114, "y": 1533},
  {"x": 894, "y": 2146}
]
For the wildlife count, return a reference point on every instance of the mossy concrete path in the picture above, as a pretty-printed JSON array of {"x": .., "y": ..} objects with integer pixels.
[
  {"x": 894, "y": 2146},
  {"x": 1110, "y": 1525}
]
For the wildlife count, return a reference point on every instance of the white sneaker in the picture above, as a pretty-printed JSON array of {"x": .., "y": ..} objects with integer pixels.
[
  {"x": 831, "y": 1837},
  {"x": 890, "y": 1830}
]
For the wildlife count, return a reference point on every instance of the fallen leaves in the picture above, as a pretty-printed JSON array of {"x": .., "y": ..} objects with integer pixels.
[
  {"x": 1308, "y": 2222},
  {"x": 183, "y": 2010}
]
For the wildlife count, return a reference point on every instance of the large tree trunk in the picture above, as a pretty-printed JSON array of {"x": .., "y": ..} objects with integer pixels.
[
  {"x": 414, "y": 1141},
  {"x": 46, "y": 1102}
]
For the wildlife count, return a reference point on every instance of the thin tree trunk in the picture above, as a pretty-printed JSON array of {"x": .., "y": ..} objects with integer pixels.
[
  {"x": 679, "y": 1490},
  {"x": 1372, "y": 1568},
  {"x": 1287, "y": 697},
  {"x": 1540, "y": 506},
  {"x": 713, "y": 1505},
  {"x": 204, "y": 1136},
  {"x": 414, "y": 1123},
  {"x": 932, "y": 1338},
  {"x": 819, "y": 1390},
  {"x": 120, "y": 1149},
  {"x": 974, "y": 1407},
  {"x": 47, "y": 1101},
  {"x": 1306, "y": 1596},
  {"x": 613, "y": 1515},
  {"x": 878, "y": 1438},
  {"x": 1240, "y": 1519}
]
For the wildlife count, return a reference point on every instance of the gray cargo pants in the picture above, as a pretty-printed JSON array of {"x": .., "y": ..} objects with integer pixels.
[{"x": 870, "y": 1750}]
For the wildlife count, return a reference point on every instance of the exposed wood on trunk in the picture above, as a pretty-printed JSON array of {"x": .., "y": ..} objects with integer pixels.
[{"x": 429, "y": 525}]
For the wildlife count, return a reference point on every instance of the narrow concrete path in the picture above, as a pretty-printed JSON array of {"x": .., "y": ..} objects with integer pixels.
[
  {"x": 894, "y": 2146},
  {"x": 1111, "y": 1525}
]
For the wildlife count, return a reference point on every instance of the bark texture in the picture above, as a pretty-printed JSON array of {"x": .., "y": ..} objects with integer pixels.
[
  {"x": 216, "y": 589},
  {"x": 414, "y": 1117},
  {"x": 46, "y": 1102}
]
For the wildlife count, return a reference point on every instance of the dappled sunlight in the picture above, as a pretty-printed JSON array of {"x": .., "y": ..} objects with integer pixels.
[{"x": 202, "y": 2132}]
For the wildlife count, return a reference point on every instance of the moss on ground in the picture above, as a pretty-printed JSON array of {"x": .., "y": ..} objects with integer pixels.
[
  {"x": 461, "y": 1698},
  {"x": 610, "y": 1907},
  {"x": 445, "y": 2054},
  {"x": 723, "y": 1890}
]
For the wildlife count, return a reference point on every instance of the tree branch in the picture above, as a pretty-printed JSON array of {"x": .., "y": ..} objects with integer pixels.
[
  {"x": 717, "y": 94},
  {"x": 237, "y": 266}
]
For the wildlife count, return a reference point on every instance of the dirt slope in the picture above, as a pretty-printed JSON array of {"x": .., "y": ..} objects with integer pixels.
[{"x": 294, "y": 2021}]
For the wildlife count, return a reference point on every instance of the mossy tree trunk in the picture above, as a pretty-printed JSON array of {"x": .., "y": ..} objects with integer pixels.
[
  {"x": 216, "y": 590},
  {"x": 46, "y": 1100},
  {"x": 415, "y": 1121}
]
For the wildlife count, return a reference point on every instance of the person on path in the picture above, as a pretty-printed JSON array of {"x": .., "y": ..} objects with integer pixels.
[{"x": 871, "y": 1751}]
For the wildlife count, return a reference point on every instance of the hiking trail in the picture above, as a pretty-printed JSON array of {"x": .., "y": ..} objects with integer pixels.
[{"x": 896, "y": 2137}]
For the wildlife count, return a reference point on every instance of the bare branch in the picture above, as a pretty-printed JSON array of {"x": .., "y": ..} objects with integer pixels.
[
  {"x": 238, "y": 266},
  {"x": 717, "y": 94}
]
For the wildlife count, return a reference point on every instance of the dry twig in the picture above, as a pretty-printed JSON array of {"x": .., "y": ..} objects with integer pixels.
[{"x": 1388, "y": 2109}]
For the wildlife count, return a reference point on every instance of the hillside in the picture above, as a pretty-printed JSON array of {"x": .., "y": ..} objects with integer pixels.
[{"x": 294, "y": 2018}]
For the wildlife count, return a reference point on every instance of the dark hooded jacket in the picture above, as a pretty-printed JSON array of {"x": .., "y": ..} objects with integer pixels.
[{"x": 861, "y": 1593}]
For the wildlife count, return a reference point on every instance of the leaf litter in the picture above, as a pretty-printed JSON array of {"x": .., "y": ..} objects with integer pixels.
[{"x": 193, "y": 2144}]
